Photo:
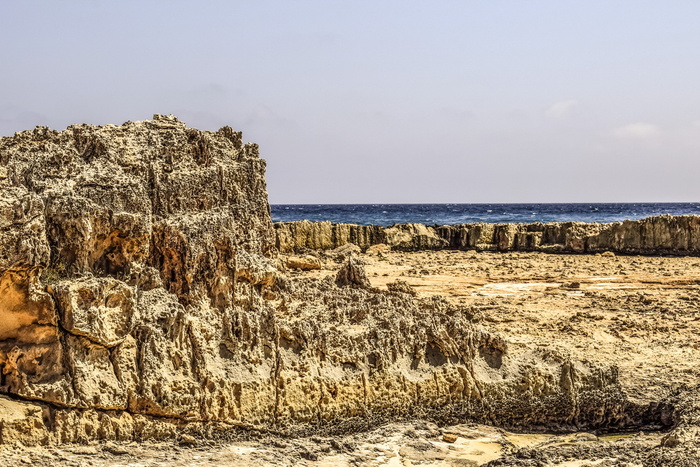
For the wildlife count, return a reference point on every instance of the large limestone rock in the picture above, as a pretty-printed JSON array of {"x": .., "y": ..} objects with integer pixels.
[{"x": 139, "y": 298}]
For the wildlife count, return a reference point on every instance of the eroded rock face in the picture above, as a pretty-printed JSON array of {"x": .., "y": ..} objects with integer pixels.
[
  {"x": 139, "y": 297},
  {"x": 352, "y": 273},
  {"x": 101, "y": 310},
  {"x": 661, "y": 235}
]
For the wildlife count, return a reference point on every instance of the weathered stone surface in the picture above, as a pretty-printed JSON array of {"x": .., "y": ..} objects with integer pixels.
[
  {"x": 294, "y": 236},
  {"x": 352, "y": 273},
  {"x": 378, "y": 249},
  {"x": 661, "y": 235},
  {"x": 100, "y": 309},
  {"x": 93, "y": 376},
  {"x": 139, "y": 297},
  {"x": 305, "y": 263},
  {"x": 22, "y": 235},
  {"x": 341, "y": 253},
  {"x": 413, "y": 237},
  {"x": 401, "y": 287},
  {"x": 130, "y": 225},
  {"x": 22, "y": 422}
]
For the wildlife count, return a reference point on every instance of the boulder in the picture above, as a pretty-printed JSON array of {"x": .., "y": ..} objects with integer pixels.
[
  {"x": 341, "y": 253},
  {"x": 400, "y": 286},
  {"x": 305, "y": 263},
  {"x": 352, "y": 273}
]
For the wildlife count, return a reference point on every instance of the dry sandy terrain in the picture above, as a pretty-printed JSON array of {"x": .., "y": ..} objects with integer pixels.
[{"x": 639, "y": 313}]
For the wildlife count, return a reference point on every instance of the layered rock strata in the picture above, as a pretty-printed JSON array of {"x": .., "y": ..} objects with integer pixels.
[
  {"x": 661, "y": 235},
  {"x": 139, "y": 297}
]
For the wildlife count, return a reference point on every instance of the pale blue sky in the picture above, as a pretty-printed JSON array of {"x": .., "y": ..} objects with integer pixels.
[{"x": 386, "y": 101}]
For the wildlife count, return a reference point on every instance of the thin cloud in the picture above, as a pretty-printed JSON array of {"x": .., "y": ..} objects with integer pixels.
[
  {"x": 639, "y": 130},
  {"x": 561, "y": 109}
]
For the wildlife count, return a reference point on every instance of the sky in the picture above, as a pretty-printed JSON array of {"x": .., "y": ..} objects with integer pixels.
[{"x": 487, "y": 101}]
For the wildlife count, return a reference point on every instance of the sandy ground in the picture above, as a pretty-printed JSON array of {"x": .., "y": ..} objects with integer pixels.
[{"x": 640, "y": 313}]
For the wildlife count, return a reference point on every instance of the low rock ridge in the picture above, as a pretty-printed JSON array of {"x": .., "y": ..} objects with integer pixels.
[
  {"x": 659, "y": 235},
  {"x": 139, "y": 298}
]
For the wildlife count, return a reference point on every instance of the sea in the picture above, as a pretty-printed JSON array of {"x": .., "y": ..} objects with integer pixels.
[{"x": 444, "y": 214}]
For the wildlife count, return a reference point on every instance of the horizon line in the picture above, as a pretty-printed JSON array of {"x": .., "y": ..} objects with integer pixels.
[{"x": 484, "y": 203}]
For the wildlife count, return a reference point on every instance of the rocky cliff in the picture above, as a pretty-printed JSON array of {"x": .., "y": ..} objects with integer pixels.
[
  {"x": 675, "y": 235},
  {"x": 139, "y": 298}
]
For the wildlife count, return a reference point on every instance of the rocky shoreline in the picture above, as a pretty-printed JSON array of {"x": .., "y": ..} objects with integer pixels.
[
  {"x": 659, "y": 235},
  {"x": 143, "y": 297}
]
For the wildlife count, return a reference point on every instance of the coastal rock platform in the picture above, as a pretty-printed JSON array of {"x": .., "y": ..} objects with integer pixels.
[
  {"x": 658, "y": 235},
  {"x": 143, "y": 299}
]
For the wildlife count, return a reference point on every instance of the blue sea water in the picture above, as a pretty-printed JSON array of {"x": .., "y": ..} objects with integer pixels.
[{"x": 442, "y": 214}]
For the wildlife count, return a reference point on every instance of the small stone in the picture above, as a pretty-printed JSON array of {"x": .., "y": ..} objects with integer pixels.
[
  {"x": 449, "y": 437},
  {"x": 304, "y": 263},
  {"x": 308, "y": 455},
  {"x": 115, "y": 449},
  {"x": 187, "y": 440},
  {"x": 401, "y": 286},
  {"x": 344, "y": 251},
  {"x": 380, "y": 249},
  {"x": 585, "y": 437},
  {"x": 83, "y": 450}
]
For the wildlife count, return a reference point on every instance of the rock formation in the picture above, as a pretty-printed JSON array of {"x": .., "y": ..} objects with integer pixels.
[
  {"x": 304, "y": 263},
  {"x": 402, "y": 287},
  {"x": 661, "y": 235},
  {"x": 352, "y": 273},
  {"x": 139, "y": 299}
]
